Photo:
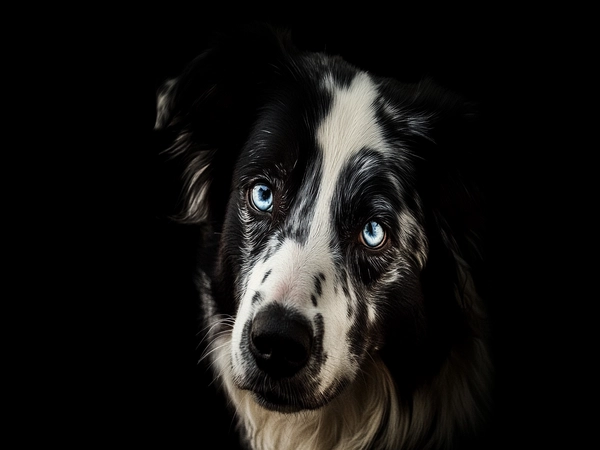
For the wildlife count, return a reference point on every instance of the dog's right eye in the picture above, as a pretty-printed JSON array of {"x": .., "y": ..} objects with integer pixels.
[
  {"x": 262, "y": 197},
  {"x": 373, "y": 235}
]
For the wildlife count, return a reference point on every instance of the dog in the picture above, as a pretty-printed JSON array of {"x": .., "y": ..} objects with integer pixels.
[{"x": 338, "y": 241}]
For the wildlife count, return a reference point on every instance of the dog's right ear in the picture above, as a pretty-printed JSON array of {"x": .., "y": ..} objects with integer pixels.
[{"x": 210, "y": 108}]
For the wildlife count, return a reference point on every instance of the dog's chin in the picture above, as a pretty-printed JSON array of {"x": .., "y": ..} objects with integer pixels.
[
  {"x": 291, "y": 396},
  {"x": 285, "y": 396},
  {"x": 273, "y": 402}
]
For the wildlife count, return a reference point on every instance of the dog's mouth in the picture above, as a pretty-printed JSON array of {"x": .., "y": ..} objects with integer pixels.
[
  {"x": 275, "y": 399},
  {"x": 292, "y": 395}
]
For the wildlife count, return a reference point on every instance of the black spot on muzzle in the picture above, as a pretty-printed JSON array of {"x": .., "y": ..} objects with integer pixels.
[{"x": 280, "y": 340}]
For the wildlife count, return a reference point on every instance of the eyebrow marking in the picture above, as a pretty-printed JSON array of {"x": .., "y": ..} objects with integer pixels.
[{"x": 266, "y": 276}]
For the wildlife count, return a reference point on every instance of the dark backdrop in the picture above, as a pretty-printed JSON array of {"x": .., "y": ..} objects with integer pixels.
[{"x": 143, "y": 385}]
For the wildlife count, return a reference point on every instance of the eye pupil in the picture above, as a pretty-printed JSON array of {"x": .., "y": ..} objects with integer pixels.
[
  {"x": 373, "y": 234},
  {"x": 262, "y": 197}
]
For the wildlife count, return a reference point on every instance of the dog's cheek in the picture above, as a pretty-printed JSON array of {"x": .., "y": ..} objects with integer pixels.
[
  {"x": 252, "y": 292},
  {"x": 362, "y": 330},
  {"x": 240, "y": 251},
  {"x": 347, "y": 325},
  {"x": 239, "y": 349}
]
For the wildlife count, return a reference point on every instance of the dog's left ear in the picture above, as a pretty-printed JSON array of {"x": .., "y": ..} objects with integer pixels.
[
  {"x": 210, "y": 108},
  {"x": 451, "y": 170}
]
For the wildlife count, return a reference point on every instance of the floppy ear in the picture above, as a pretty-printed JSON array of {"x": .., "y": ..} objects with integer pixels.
[
  {"x": 450, "y": 170},
  {"x": 210, "y": 108}
]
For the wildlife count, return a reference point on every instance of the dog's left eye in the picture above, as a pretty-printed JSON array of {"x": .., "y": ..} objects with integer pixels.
[
  {"x": 262, "y": 197},
  {"x": 373, "y": 234}
]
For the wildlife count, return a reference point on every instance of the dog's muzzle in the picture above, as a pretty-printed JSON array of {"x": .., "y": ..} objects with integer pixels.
[{"x": 281, "y": 341}]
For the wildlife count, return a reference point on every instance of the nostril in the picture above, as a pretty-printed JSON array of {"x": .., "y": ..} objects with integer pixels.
[
  {"x": 280, "y": 340},
  {"x": 263, "y": 345},
  {"x": 297, "y": 352},
  {"x": 293, "y": 347}
]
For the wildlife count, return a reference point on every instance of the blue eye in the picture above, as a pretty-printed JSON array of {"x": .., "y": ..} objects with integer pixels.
[
  {"x": 262, "y": 197},
  {"x": 373, "y": 234}
]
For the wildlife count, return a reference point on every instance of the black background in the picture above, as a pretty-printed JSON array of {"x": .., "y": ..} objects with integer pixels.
[{"x": 128, "y": 372}]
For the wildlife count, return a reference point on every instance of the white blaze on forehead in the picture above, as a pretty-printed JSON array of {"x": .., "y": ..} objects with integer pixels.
[
  {"x": 351, "y": 123},
  {"x": 350, "y": 126}
]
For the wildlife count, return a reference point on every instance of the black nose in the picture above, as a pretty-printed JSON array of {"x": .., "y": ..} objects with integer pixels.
[{"x": 280, "y": 340}]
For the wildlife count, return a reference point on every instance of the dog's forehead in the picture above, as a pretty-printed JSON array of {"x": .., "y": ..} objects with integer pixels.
[
  {"x": 329, "y": 113},
  {"x": 350, "y": 126},
  {"x": 351, "y": 123}
]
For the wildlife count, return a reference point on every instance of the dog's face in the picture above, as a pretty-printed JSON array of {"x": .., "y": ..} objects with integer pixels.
[
  {"x": 324, "y": 237},
  {"x": 322, "y": 225}
]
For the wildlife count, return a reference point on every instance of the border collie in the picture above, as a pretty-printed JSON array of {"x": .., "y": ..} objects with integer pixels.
[{"x": 339, "y": 301}]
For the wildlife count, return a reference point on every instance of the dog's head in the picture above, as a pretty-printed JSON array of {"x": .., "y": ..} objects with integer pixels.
[{"x": 325, "y": 188}]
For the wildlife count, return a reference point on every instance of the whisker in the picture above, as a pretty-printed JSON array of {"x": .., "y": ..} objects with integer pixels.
[
  {"x": 211, "y": 351},
  {"x": 211, "y": 334}
]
